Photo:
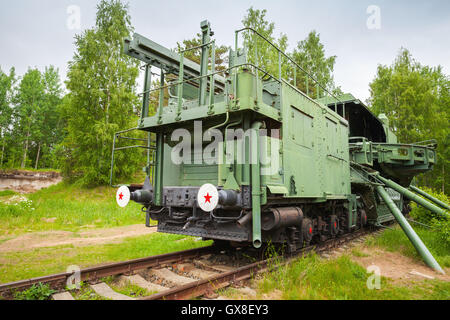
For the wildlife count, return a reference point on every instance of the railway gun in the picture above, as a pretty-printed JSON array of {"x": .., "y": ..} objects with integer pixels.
[{"x": 243, "y": 156}]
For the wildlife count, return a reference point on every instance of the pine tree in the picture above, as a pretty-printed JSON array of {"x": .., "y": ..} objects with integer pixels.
[
  {"x": 102, "y": 99},
  {"x": 29, "y": 100},
  {"x": 50, "y": 132},
  {"x": 6, "y": 110},
  {"x": 195, "y": 54},
  {"x": 310, "y": 55},
  {"x": 416, "y": 98},
  {"x": 267, "y": 56}
]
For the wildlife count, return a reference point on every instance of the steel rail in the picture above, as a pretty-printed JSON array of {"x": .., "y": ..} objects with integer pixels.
[
  {"x": 190, "y": 290},
  {"x": 98, "y": 272},
  {"x": 200, "y": 287}
]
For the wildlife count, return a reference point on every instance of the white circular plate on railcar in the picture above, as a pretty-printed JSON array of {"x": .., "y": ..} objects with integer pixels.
[
  {"x": 208, "y": 197},
  {"x": 123, "y": 196}
]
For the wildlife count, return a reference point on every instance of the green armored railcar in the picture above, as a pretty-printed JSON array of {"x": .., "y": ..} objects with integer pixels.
[{"x": 243, "y": 156}]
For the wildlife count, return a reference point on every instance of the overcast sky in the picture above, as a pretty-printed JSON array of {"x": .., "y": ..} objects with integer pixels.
[{"x": 35, "y": 33}]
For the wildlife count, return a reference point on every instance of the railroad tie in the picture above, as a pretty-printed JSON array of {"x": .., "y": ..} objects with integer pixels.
[
  {"x": 202, "y": 274},
  {"x": 63, "y": 296},
  {"x": 171, "y": 277},
  {"x": 141, "y": 282},
  {"x": 102, "y": 289},
  {"x": 204, "y": 264},
  {"x": 247, "y": 292}
]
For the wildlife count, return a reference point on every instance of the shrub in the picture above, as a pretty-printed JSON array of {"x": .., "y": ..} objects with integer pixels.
[
  {"x": 424, "y": 215},
  {"x": 36, "y": 292},
  {"x": 440, "y": 224},
  {"x": 442, "y": 228},
  {"x": 16, "y": 207}
]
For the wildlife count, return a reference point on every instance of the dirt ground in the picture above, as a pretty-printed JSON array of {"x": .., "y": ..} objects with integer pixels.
[
  {"x": 83, "y": 238},
  {"x": 23, "y": 181},
  {"x": 393, "y": 265}
]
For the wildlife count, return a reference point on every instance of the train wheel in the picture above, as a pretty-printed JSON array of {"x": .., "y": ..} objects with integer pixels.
[
  {"x": 307, "y": 230},
  {"x": 334, "y": 225},
  {"x": 363, "y": 218}
]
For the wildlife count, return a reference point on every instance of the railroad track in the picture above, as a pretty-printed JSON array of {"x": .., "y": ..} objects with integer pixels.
[{"x": 174, "y": 276}]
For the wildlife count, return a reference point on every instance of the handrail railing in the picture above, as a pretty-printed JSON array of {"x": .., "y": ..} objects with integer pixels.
[
  {"x": 207, "y": 75},
  {"x": 280, "y": 52},
  {"x": 426, "y": 142},
  {"x": 177, "y": 83},
  {"x": 148, "y": 147},
  {"x": 211, "y": 75}
]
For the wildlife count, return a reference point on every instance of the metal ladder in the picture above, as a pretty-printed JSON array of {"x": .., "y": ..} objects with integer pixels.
[{"x": 150, "y": 147}]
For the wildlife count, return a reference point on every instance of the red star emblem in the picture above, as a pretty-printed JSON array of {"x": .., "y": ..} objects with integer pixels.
[
  {"x": 208, "y": 198},
  {"x": 121, "y": 196}
]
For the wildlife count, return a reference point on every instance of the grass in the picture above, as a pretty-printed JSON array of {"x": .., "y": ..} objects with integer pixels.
[
  {"x": 43, "y": 261},
  {"x": 86, "y": 293},
  {"x": 71, "y": 208},
  {"x": 313, "y": 278},
  {"x": 36, "y": 292},
  {"x": 128, "y": 288},
  {"x": 395, "y": 240},
  {"x": 71, "y": 205},
  {"x": 6, "y": 193},
  {"x": 358, "y": 253}
]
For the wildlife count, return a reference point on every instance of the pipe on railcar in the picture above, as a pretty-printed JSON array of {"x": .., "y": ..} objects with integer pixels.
[
  {"x": 412, "y": 196},
  {"x": 431, "y": 198},
  {"x": 256, "y": 184},
  {"x": 282, "y": 217},
  {"x": 409, "y": 231},
  {"x": 245, "y": 219},
  {"x": 159, "y": 169},
  {"x": 228, "y": 197}
]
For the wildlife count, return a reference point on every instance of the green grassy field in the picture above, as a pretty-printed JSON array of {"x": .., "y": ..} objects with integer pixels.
[
  {"x": 313, "y": 278},
  {"x": 65, "y": 207},
  {"x": 68, "y": 207},
  {"x": 342, "y": 278},
  {"x": 395, "y": 240},
  {"x": 43, "y": 261}
]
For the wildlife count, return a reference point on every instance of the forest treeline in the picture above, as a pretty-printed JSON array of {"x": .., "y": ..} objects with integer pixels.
[{"x": 44, "y": 125}]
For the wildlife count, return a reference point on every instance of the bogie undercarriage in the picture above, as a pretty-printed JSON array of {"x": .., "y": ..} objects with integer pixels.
[{"x": 291, "y": 226}]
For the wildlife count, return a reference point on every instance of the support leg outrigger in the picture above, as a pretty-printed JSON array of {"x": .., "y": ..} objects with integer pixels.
[
  {"x": 409, "y": 231},
  {"x": 408, "y": 194},
  {"x": 429, "y": 197}
]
